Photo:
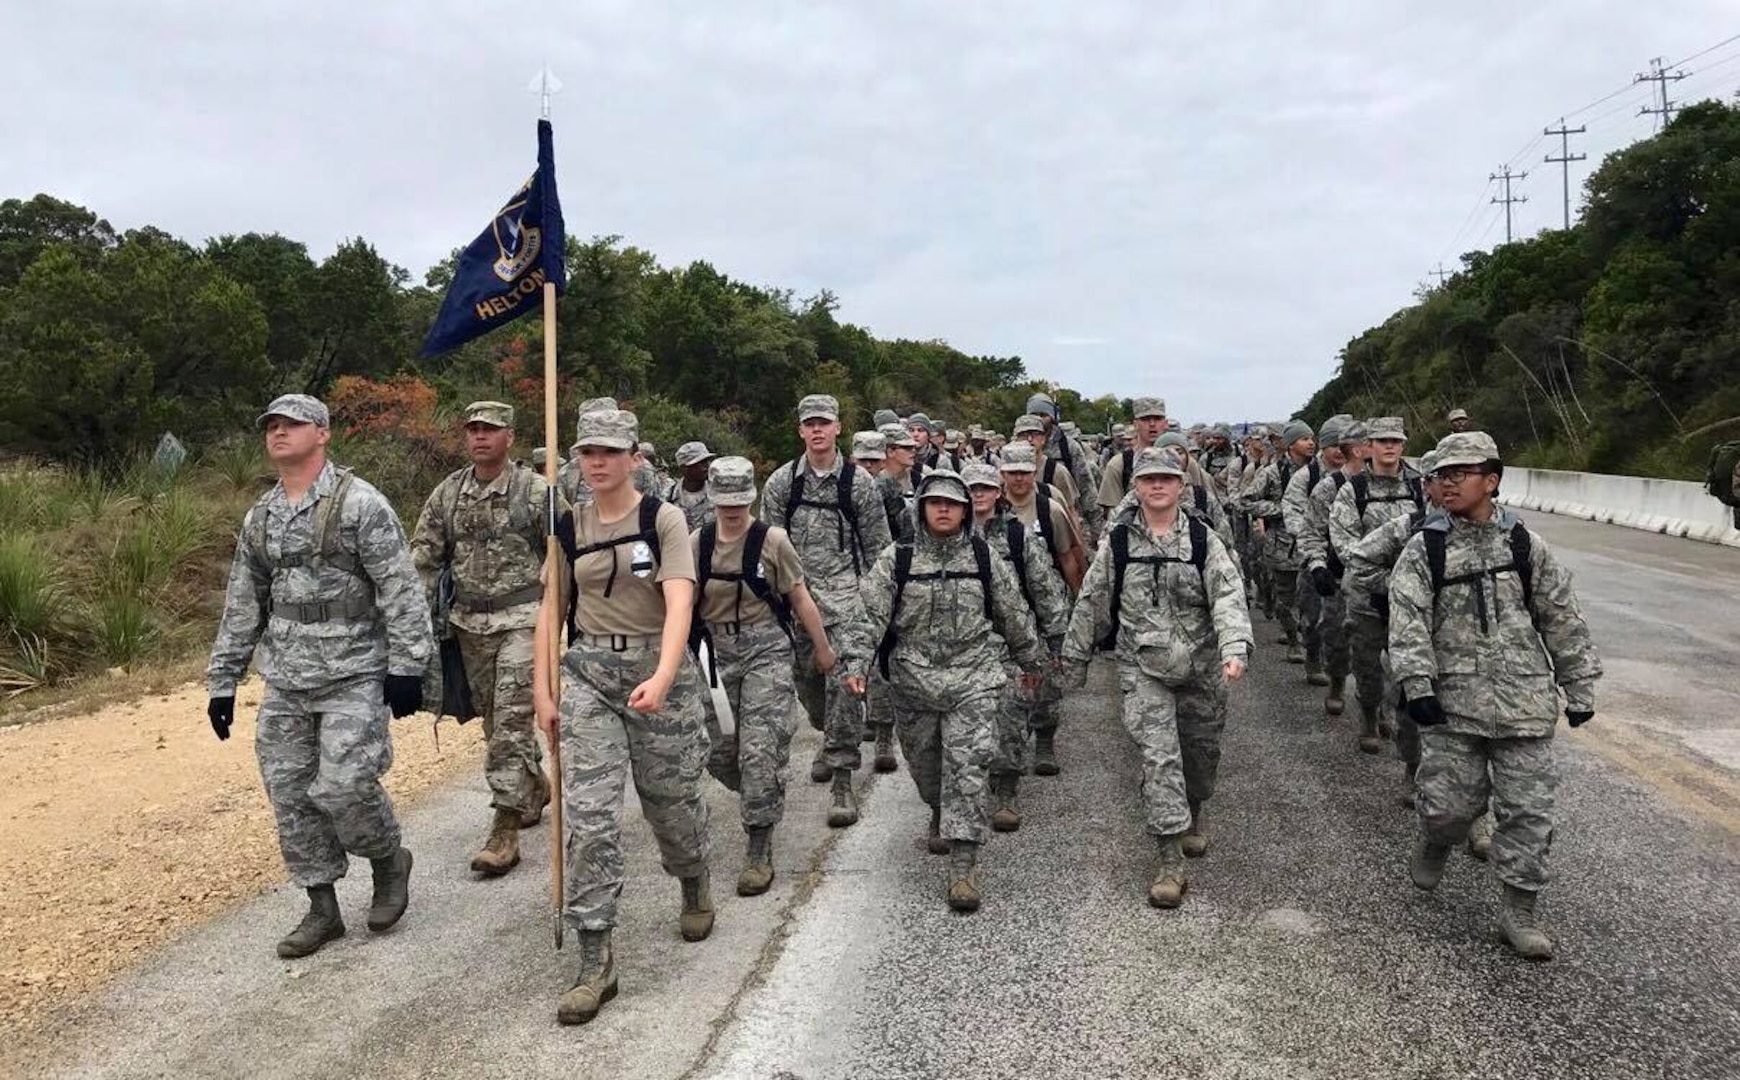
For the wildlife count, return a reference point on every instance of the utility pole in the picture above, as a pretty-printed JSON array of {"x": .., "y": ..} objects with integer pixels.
[
  {"x": 1441, "y": 274},
  {"x": 1565, "y": 158},
  {"x": 1507, "y": 176},
  {"x": 1661, "y": 77}
]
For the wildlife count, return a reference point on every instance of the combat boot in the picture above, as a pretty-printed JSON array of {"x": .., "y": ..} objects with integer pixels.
[
  {"x": 1410, "y": 797},
  {"x": 501, "y": 852},
  {"x": 844, "y": 811},
  {"x": 1005, "y": 813},
  {"x": 820, "y": 771},
  {"x": 934, "y": 842},
  {"x": 1295, "y": 650},
  {"x": 1480, "y": 837},
  {"x": 697, "y": 918},
  {"x": 1335, "y": 702},
  {"x": 321, "y": 925},
  {"x": 596, "y": 982},
  {"x": 885, "y": 761},
  {"x": 1172, "y": 881},
  {"x": 1044, "y": 754},
  {"x": 1195, "y": 841},
  {"x": 1516, "y": 925},
  {"x": 1314, "y": 673},
  {"x": 392, "y": 889},
  {"x": 757, "y": 872},
  {"x": 1427, "y": 866},
  {"x": 540, "y": 799},
  {"x": 963, "y": 891},
  {"x": 1370, "y": 741}
]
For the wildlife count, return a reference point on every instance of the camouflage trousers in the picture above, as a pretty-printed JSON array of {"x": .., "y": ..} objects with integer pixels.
[
  {"x": 753, "y": 668},
  {"x": 603, "y": 742},
  {"x": 1284, "y": 588},
  {"x": 879, "y": 708},
  {"x": 1042, "y": 705},
  {"x": 498, "y": 668},
  {"x": 322, "y": 754},
  {"x": 1333, "y": 623},
  {"x": 833, "y": 710},
  {"x": 949, "y": 754},
  {"x": 1310, "y": 606},
  {"x": 1458, "y": 773},
  {"x": 1151, "y": 712},
  {"x": 1014, "y": 716},
  {"x": 1368, "y": 638}
]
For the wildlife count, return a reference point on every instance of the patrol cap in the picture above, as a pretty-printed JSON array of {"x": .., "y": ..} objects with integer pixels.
[
  {"x": 1429, "y": 461},
  {"x": 1172, "y": 439},
  {"x": 869, "y": 445},
  {"x": 595, "y": 404},
  {"x": 953, "y": 438},
  {"x": 1354, "y": 431},
  {"x": 298, "y": 407},
  {"x": 1157, "y": 461},
  {"x": 1294, "y": 431},
  {"x": 541, "y": 454},
  {"x": 1221, "y": 431},
  {"x": 896, "y": 435},
  {"x": 1029, "y": 425},
  {"x": 1145, "y": 407},
  {"x": 1256, "y": 432},
  {"x": 1386, "y": 427},
  {"x": 1042, "y": 405},
  {"x": 647, "y": 450},
  {"x": 1330, "y": 433},
  {"x": 693, "y": 453},
  {"x": 1070, "y": 427},
  {"x": 918, "y": 420},
  {"x": 818, "y": 407},
  {"x": 885, "y": 417},
  {"x": 494, "y": 413},
  {"x": 978, "y": 474},
  {"x": 1466, "y": 448},
  {"x": 974, "y": 431},
  {"x": 613, "y": 429},
  {"x": 943, "y": 484},
  {"x": 938, "y": 428},
  {"x": 1019, "y": 457},
  {"x": 731, "y": 481},
  {"x": 1457, "y": 414}
]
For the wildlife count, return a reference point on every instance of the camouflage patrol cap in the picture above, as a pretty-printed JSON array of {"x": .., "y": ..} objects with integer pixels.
[
  {"x": 1019, "y": 457},
  {"x": 1157, "y": 461},
  {"x": 1148, "y": 407},
  {"x": 978, "y": 474},
  {"x": 1330, "y": 433},
  {"x": 1386, "y": 427},
  {"x": 595, "y": 404},
  {"x": 896, "y": 435},
  {"x": 1466, "y": 448},
  {"x": 884, "y": 417},
  {"x": 494, "y": 413},
  {"x": 943, "y": 484},
  {"x": 952, "y": 439},
  {"x": 1042, "y": 405},
  {"x": 1221, "y": 431},
  {"x": 1429, "y": 461},
  {"x": 613, "y": 429},
  {"x": 1457, "y": 414},
  {"x": 301, "y": 408},
  {"x": 541, "y": 454},
  {"x": 731, "y": 481},
  {"x": 869, "y": 446},
  {"x": 1256, "y": 432},
  {"x": 974, "y": 431},
  {"x": 1029, "y": 425},
  {"x": 1070, "y": 427},
  {"x": 818, "y": 407},
  {"x": 647, "y": 450},
  {"x": 1353, "y": 432},
  {"x": 938, "y": 428},
  {"x": 693, "y": 453},
  {"x": 1172, "y": 439}
]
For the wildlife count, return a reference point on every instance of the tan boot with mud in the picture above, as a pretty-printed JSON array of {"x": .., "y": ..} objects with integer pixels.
[
  {"x": 1005, "y": 811},
  {"x": 321, "y": 925},
  {"x": 532, "y": 818},
  {"x": 844, "y": 810},
  {"x": 963, "y": 889},
  {"x": 757, "y": 873},
  {"x": 596, "y": 982},
  {"x": 1195, "y": 842},
  {"x": 696, "y": 921},
  {"x": 1480, "y": 837},
  {"x": 501, "y": 852},
  {"x": 1172, "y": 881},
  {"x": 1517, "y": 927}
]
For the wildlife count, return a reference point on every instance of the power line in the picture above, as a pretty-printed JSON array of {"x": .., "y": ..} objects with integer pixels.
[
  {"x": 1565, "y": 158},
  {"x": 1706, "y": 52},
  {"x": 1661, "y": 77},
  {"x": 1467, "y": 220},
  {"x": 1507, "y": 176}
]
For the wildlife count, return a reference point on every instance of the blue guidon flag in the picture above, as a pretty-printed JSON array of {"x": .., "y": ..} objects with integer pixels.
[{"x": 502, "y": 273}]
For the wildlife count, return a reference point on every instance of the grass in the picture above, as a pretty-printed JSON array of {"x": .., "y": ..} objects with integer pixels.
[
  {"x": 33, "y": 599},
  {"x": 124, "y": 628}
]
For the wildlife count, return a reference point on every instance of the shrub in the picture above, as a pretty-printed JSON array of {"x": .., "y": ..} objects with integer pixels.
[
  {"x": 32, "y": 596},
  {"x": 124, "y": 628}
]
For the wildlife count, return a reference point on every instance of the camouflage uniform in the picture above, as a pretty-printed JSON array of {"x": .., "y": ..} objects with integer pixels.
[
  {"x": 834, "y": 555},
  {"x": 327, "y": 638},
  {"x": 1281, "y": 557},
  {"x": 470, "y": 527},
  {"x": 1369, "y": 563},
  {"x": 1296, "y": 514},
  {"x": 1059, "y": 445},
  {"x": 1493, "y": 669}
]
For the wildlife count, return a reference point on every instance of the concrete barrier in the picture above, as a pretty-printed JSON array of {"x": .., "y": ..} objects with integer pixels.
[{"x": 1671, "y": 507}]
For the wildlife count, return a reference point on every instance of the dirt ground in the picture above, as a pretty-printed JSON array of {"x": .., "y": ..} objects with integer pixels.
[{"x": 124, "y": 826}]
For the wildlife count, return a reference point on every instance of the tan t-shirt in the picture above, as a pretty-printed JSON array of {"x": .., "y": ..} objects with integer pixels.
[
  {"x": 732, "y": 601},
  {"x": 1060, "y": 528},
  {"x": 636, "y": 604}
]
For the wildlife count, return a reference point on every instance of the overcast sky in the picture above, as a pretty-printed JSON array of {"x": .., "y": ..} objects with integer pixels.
[{"x": 1200, "y": 201}]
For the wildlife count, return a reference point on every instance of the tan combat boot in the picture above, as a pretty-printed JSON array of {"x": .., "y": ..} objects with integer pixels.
[
  {"x": 1005, "y": 812},
  {"x": 1480, "y": 837},
  {"x": 1335, "y": 702},
  {"x": 1195, "y": 841},
  {"x": 1427, "y": 866},
  {"x": 844, "y": 810},
  {"x": 963, "y": 890},
  {"x": 596, "y": 982},
  {"x": 1516, "y": 925},
  {"x": 757, "y": 872},
  {"x": 1172, "y": 881},
  {"x": 935, "y": 843},
  {"x": 1370, "y": 742},
  {"x": 540, "y": 799},
  {"x": 1314, "y": 673},
  {"x": 501, "y": 852},
  {"x": 820, "y": 771},
  {"x": 885, "y": 760},
  {"x": 696, "y": 921}
]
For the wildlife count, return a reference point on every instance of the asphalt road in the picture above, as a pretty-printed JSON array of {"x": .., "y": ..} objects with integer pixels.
[{"x": 1301, "y": 951}]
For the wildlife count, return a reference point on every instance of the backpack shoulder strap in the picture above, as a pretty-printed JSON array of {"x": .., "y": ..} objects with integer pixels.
[
  {"x": 1016, "y": 536},
  {"x": 902, "y": 571},
  {"x": 649, "y": 525},
  {"x": 1199, "y": 549},
  {"x": 1201, "y": 497},
  {"x": 520, "y": 518},
  {"x": 708, "y": 538},
  {"x": 1435, "y": 541},
  {"x": 1361, "y": 494},
  {"x": 1522, "y": 556},
  {"x": 1315, "y": 472},
  {"x": 795, "y": 492},
  {"x": 1417, "y": 489},
  {"x": 1129, "y": 457},
  {"x": 1120, "y": 560},
  {"x": 982, "y": 556}
]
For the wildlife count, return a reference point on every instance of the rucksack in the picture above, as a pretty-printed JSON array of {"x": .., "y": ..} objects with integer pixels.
[
  {"x": 1047, "y": 528},
  {"x": 903, "y": 573},
  {"x": 1016, "y": 534},
  {"x": 1719, "y": 481},
  {"x": 845, "y": 508},
  {"x": 646, "y": 532},
  {"x": 1336, "y": 566},
  {"x": 749, "y": 575},
  {"x": 1121, "y": 559},
  {"x": 1521, "y": 564},
  {"x": 1362, "y": 496},
  {"x": 328, "y": 550}
]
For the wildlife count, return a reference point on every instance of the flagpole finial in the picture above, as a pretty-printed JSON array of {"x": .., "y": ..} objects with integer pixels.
[{"x": 544, "y": 84}]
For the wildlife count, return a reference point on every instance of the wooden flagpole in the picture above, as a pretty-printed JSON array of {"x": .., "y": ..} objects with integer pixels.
[{"x": 554, "y": 579}]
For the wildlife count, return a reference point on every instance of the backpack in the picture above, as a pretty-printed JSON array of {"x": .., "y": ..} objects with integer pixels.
[
  {"x": 1047, "y": 529},
  {"x": 1336, "y": 566},
  {"x": 329, "y": 550},
  {"x": 1121, "y": 558},
  {"x": 646, "y": 532},
  {"x": 844, "y": 507},
  {"x": 1362, "y": 496},
  {"x": 903, "y": 573},
  {"x": 749, "y": 575},
  {"x": 1719, "y": 481},
  {"x": 1016, "y": 534},
  {"x": 1521, "y": 563}
]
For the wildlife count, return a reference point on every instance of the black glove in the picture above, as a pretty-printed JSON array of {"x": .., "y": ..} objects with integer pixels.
[
  {"x": 1323, "y": 581},
  {"x": 405, "y": 694},
  {"x": 1425, "y": 711},
  {"x": 1380, "y": 603},
  {"x": 222, "y": 711},
  {"x": 1578, "y": 719}
]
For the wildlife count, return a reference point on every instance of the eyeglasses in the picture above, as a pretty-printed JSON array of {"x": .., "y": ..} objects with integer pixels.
[{"x": 1456, "y": 476}]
